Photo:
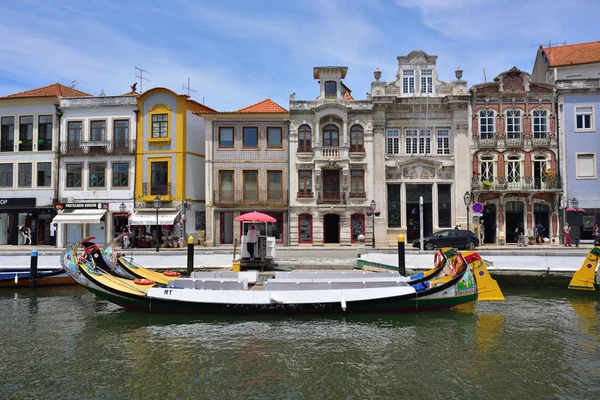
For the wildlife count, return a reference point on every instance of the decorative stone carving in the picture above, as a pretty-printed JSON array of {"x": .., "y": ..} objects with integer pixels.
[
  {"x": 358, "y": 209},
  {"x": 377, "y": 74},
  {"x": 461, "y": 128},
  {"x": 416, "y": 115},
  {"x": 304, "y": 209},
  {"x": 418, "y": 172},
  {"x": 378, "y": 130}
]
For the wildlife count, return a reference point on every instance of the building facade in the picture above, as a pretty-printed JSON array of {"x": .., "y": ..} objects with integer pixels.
[
  {"x": 247, "y": 170},
  {"x": 97, "y": 161},
  {"x": 170, "y": 169},
  {"x": 420, "y": 147},
  {"x": 332, "y": 175},
  {"x": 575, "y": 70},
  {"x": 515, "y": 156},
  {"x": 29, "y": 165}
]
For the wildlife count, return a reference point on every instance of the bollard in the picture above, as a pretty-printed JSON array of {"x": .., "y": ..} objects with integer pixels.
[
  {"x": 190, "y": 254},
  {"x": 401, "y": 256},
  {"x": 33, "y": 269}
]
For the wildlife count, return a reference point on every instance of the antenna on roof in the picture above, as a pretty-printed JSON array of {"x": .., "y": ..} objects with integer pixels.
[
  {"x": 484, "y": 76},
  {"x": 556, "y": 43},
  {"x": 188, "y": 87},
  {"x": 73, "y": 84},
  {"x": 141, "y": 76}
]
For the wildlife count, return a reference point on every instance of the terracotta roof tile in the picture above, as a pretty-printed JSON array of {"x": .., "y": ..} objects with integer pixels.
[
  {"x": 573, "y": 54},
  {"x": 54, "y": 90},
  {"x": 267, "y": 106}
]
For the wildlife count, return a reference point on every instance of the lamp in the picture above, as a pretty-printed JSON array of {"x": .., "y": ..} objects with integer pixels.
[
  {"x": 122, "y": 208},
  {"x": 157, "y": 204},
  {"x": 373, "y": 212},
  {"x": 577, "y": 226},
  {"x": 468, "y": 198},
  {"x": 575, "y": 203}
]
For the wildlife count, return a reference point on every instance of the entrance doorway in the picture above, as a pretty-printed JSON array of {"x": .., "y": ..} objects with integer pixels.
[
  {"x": 226, "y": 227},
  {"x": 413, "y": 223},
  {"x": 541, "y": 214},
  {"x": 331, "y": 228},
  {"x": 514, "y": 216},
  {"x": 489, "y": 223}
]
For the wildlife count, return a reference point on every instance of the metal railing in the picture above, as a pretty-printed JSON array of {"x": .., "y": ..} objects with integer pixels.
[
  {"x": 521, "y": 183},
  {"x": 331, "y": 197},
  {"x": 122, "y": 146},
  {"x": 97, "y": 147},
  {"x": 156, "y": 190}
]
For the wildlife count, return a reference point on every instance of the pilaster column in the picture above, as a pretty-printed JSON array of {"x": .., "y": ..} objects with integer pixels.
[
  {"x": 345, "y": 132},
  {"x": 317, "y": 134}
]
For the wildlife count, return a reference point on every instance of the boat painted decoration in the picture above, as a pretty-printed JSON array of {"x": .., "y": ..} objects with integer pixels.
[{"x": 588, "y": 276}]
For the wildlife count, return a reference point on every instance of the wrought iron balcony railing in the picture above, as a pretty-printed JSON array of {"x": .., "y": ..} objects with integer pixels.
[
  {"x": 96, "y": 147},
  {"x": 119, "y": 146},
  {"x": 25, "y": 145},
  {"x": 518, "y": 183},
  {"x": 486, "y": 141},
  {"x": 249, "y": 197},
  {"x": 331, "y": 197},
  {"x": 156, "y": 190}
]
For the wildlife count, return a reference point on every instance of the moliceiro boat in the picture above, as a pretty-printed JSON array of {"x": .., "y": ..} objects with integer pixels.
[
  {"x": 284, "y": 293},
  {"x": 588, "y": 276}
]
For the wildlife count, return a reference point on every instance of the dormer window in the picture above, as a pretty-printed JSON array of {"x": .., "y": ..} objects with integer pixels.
[
  {"x": 331, "y": 89},
  {"x": 426, "y": 81},
  {"x": 408, "y": 81}
]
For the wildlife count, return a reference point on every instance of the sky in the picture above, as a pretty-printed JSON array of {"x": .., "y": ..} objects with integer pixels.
[{"x": 237, "y": 53}]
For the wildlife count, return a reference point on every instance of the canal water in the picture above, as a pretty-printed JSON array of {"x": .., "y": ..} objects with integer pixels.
[{"x": 64, "y": 343}]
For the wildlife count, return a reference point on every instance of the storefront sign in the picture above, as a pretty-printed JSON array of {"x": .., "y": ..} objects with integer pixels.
[
  {"x": 70, "y": 206},
  {"x": 18, "y": 202}
]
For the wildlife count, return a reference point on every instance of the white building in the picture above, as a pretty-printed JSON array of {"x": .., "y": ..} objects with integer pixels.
[
  {"x": 97, "y": 161},
  {"x": 28, "y": 164}
]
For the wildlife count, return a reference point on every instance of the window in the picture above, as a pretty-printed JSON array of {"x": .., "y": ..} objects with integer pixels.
[
  {"x": 250, "y": 137},
  {"x": 6, "y": 175},
  {"x": 444, "y": 206},
  {"x": 584, "y": 118},
  {"x": 424, "y": 141},
  {"x": 274, "y": 138},
  {"x": 540, "y": 124},
  {"x": 357, "y": 227},
  {"x": 44, "y": 174},
  {"x": 274, "y": 189},
  {"x": 121, "y": 133},
  {"x": 408, "y": 81},
  {"x": 331, "y": 89},
  {"x": 486, "y": 124},
  {"x": 443, "y": 141},
  {"x": 7, "y": 139},
  {"x": 24, "y": 175},
  {"x": 393, "y": 141},
  {"x": 160, "y": 125},
  {"x": 74, "y": 175},
  {"x": 357, "y": 183},
  {"x": 97, "y": 173},
  {"x": 513, "y": 169},
  {"x": 26, "y": 135},
  {"x": 45, "y": 132},
  {"x": 159, "y": 178},
  {"x": 225, "y": 136},
  {"x": 586, "y": 165},
  {"x": 305, "y": 228},
  {"x": 304, "y": 139},
  {"x": 305, "y": 183},
  {"x": 426, "y": 81},
  {"x": 251, "y": 185},
  {"x": 120, "y": 175},
  {"x": 411, "y": 136},
  {"x": 226, "y": 186},
  {"x": 357, "y": 138},
  {"x": 74, "y": 133},
  {"x": 393, "y": 203},
  {"x": 513, "y": 124},
  {"x": 97, "y": 129},
  {"x": 486, "y": 168},
  {"x": 331, "y": 136}
]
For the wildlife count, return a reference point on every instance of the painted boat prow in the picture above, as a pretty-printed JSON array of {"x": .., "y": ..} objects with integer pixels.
[
  {"x": 586, "y": 278},
  {"x": 487, "y": 287}
]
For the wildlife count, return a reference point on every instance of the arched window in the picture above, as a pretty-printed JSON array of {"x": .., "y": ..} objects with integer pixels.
[
  {"x": 305, "y": 234},
  {"x": 357, "y": 138},
  {"x": 357, "y": 226},
  {"x": 486, "y": 168},
  {"x": 304, "y": 139},
  {"x": 540, "y": 124},
  {"x": 513, "y": 124},
  {"x": 331, "y": 136},
  {"x": 513, "y": 170},
  {"x": 486, "y": 124}
]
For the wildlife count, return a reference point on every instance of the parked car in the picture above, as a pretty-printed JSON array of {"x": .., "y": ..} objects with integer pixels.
[{"x": 458, "y": 238}]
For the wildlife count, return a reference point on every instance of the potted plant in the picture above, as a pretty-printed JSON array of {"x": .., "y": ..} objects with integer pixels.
[
  {"x": 487, "y": 184},
  {"x": 531, "y": 239}
]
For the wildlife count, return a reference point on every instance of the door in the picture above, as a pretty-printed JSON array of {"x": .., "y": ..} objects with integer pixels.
[
  {"x": 541, "y": 214},
  {"x": 413, "y": 192},
  {"x": 489, "y": 223},
  {"x": 514, "y": 217},
  {"x": 331, "y": 228},
  {"x": 74, "y": 234},
  {"x": 331, "y": 185},
  {"x": 539, "y": 166},
  {"x": 226, "y": 225},
  {"x": 98, "y": 231}
]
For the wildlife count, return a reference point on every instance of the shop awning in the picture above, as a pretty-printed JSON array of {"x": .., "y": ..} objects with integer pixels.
[
  {"x": 149, "y": 217},
  {"x": 80, "y": 216}
]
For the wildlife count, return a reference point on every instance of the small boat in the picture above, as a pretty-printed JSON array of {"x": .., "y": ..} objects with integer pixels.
[
  {"x": 245, "y": 293},
  {"x": 20, "y": 277},
  {"x": 588, "y": 276},
  {"x": 487, "y": 287}
]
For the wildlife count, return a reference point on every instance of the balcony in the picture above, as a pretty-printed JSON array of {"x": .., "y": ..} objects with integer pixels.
[
  {"x": 331, "y": 153},
  {"x": 246, "y": 197},
  {"x": 357, "y": 195},
  {"x": 328, "y": 197},
  {"x": 150, "y": 191},
  {"x": 514, "y": 141},
  {"x": 540, "y": 141},
  {"x": 122, "y": 147},
  {"x": 44, "y": 145},
  {"x": 72, "y": 147},
  {"x": 521, "y": 184},
  {"x": 487, "y": 141},
  {"x": 95, "y": 147},
  {"x": 7, "y": 145}
]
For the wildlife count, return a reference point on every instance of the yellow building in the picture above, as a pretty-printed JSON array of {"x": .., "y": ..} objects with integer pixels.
[{"x": 170, "y": 165}]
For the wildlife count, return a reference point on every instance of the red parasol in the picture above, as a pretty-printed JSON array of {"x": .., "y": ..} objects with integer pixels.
[
  {"x": 255, "y": 216},
  {"x": 570, "y": 209}
]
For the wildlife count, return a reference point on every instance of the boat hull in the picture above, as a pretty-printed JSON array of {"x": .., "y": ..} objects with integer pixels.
[{"x": 52, "y": 277}]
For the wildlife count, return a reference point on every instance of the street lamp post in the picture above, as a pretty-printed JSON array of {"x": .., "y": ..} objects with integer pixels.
[
  {"x": 373, "y": 212},
  {"x": 576, "y": 227},
  {"x": 157, "y": 204},
  {"x": 468, "y": 198}
]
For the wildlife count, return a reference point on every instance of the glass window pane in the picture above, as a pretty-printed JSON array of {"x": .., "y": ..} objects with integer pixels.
[{"x": 274, "y": 137}]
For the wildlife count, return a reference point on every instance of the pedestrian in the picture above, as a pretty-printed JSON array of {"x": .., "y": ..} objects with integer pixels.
[
  {"x": 539, "y": 229},
  {"x": 521, "y": 235},
  {"x": 457, "y": 227},
  {"x": 567, "y": 233},
  {"x": 481, "y": 233},
  {"x": 251, "y": 239},
  {"x": 126, "y": 238},
  {"x": 596, "y": 235}
]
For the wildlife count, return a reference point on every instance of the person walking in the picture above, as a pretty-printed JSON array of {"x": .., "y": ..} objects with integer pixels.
[
  {"x": 251, "y": 239},
  {"x": 567, "y": 233},
  {"x": 539, "y": 230},
  {"x": 481, "y": 233},
  {"x": 521, "y": 235},
  {"x": 596, "y": 235}
]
